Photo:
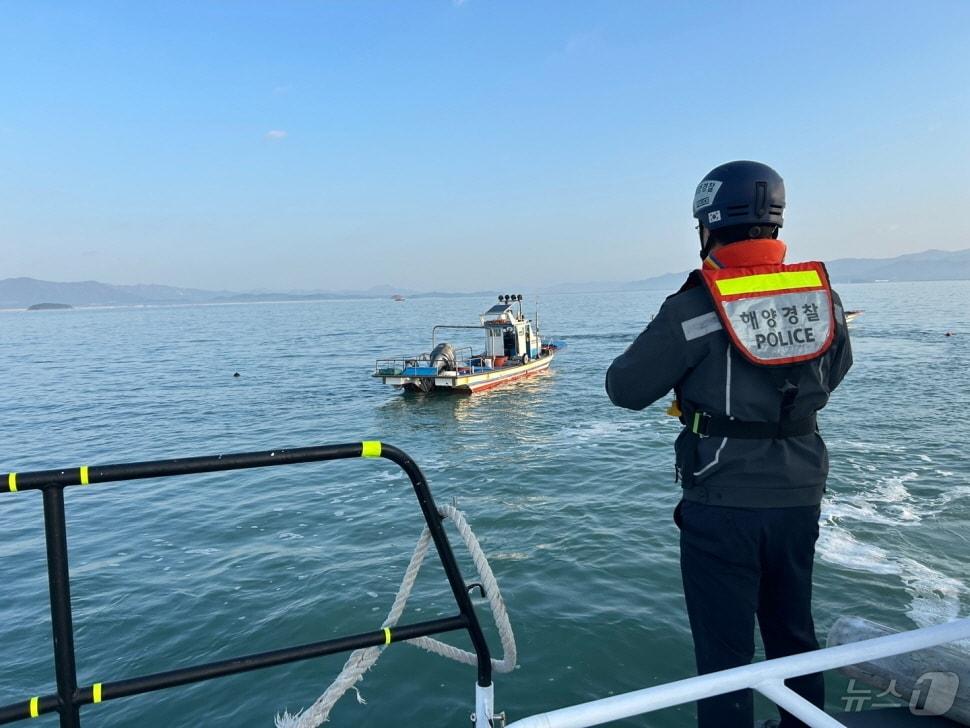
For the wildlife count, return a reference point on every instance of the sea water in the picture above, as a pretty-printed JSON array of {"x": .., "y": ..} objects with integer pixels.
[{"x": 570, "y": 496}]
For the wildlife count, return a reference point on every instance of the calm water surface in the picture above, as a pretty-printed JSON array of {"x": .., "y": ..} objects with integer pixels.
[{"x": 571, "y": 498}]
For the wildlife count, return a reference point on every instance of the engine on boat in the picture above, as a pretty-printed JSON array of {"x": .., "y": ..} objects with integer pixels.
[{"x": 443, "y": 356}]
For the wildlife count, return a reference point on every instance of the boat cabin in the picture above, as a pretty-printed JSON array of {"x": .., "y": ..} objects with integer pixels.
[{"x": 508, "y": 334}]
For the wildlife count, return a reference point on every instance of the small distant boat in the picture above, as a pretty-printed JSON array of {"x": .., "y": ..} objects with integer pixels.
[
  {"x": 397, "y": 297},
  {"x": 851, "y": 316},
  {"x": 513, "y": 350}
]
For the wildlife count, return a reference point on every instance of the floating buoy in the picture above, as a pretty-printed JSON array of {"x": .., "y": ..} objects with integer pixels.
[{"x": 237, "y": 374}]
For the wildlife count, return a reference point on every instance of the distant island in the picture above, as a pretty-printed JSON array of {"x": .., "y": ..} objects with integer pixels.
[
  {"x": 20, "y": 293},
  {"x": 49, "y": 307}
]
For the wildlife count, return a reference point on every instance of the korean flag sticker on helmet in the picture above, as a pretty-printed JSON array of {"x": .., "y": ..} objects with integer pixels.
[
  {"x": 705, "y": 194},
  {"x": 714, "y": 216}
]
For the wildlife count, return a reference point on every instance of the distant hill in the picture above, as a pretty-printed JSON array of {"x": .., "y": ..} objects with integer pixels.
[
  {"x": 665, "y": 282},
  {"x": 930, "y": 265},
  {"x": 26, "y": 292},
  {"x": 50, "y": 307}
]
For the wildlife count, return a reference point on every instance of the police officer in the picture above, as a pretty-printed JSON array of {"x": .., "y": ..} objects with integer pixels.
[{"x": 752, "y": 348}]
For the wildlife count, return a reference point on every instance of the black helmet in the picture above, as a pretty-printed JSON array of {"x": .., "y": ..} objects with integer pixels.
[{"x": 740, "y": 193}]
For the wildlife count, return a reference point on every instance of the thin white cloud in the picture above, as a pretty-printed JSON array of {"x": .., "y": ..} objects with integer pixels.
[
  {"x": 583, "y": 44},
  {"x": 274, "y": 135}
]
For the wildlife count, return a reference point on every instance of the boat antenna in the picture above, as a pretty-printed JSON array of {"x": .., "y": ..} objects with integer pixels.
[{"x": 537, "y": 313}]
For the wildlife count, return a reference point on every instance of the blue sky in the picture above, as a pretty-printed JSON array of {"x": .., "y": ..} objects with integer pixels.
[{"x": 465, "y": 145}]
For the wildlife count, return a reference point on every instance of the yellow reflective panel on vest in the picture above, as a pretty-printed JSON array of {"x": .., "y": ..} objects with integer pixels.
[
  {"x": 775, "y": 315},
  {"x": 767, "y": 282}
]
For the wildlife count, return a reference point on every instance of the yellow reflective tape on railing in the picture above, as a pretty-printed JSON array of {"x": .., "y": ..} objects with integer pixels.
[
  {"x": 765, "y": 282},
  {"x": 387, "y": 635},
  {"x": 96, "y": 692},
  {"x": 370, "y": 449},
  {"x": 34, "y": 707},
  {"x": 84, "y": 475},
  {"x": 12, "y": 482}
]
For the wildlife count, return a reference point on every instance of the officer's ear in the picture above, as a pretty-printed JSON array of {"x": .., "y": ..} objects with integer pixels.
[{"x": 705, "y": 236}]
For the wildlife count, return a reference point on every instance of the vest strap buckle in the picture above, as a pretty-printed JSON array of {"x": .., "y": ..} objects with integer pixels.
[{"x": 700, "y": 423}]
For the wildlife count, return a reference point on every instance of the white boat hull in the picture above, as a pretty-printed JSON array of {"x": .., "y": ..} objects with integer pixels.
[{"x": 468, "y": 383}]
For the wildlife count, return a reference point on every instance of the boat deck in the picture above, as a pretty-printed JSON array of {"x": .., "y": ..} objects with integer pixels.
[{"x": 892, "y": 718}]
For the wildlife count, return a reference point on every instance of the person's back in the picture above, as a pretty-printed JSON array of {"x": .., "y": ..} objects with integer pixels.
[
  {"x": 752, "y": 348},
  {"x": 689, "y": 351}
]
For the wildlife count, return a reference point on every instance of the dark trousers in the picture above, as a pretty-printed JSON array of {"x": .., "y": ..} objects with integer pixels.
[{"x": 737, "y": 563}]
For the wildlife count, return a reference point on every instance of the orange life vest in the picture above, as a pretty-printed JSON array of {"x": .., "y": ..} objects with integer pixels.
[{"x": 775, "y": 314}]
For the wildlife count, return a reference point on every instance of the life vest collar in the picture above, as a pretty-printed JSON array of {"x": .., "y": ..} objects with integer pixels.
[{"x": 747, "y": 253}]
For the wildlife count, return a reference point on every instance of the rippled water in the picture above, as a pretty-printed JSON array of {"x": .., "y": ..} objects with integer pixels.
[{"x": 571, "y": 497}]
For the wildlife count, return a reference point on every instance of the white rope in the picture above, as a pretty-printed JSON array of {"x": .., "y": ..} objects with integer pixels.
[{"x": 360, "y": 661}]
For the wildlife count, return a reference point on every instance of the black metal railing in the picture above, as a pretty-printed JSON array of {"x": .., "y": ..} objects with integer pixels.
[{"x": 70, "y": 697}]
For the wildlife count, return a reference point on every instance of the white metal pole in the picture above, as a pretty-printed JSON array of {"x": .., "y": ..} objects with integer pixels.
[
  {"x": 647, "y": 700},
  {"x": 484, "y": 705},
  {"x": 785, "y": 697}
]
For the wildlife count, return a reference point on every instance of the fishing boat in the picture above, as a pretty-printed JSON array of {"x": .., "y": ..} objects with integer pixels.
[{"x": 513, "y": 350}]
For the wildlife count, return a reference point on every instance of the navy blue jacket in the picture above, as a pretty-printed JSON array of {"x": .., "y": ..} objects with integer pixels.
[{"x": 686, "y": 349}]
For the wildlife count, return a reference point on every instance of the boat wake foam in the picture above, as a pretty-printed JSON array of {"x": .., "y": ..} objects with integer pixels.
[{"x": 935, "y": 596}]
